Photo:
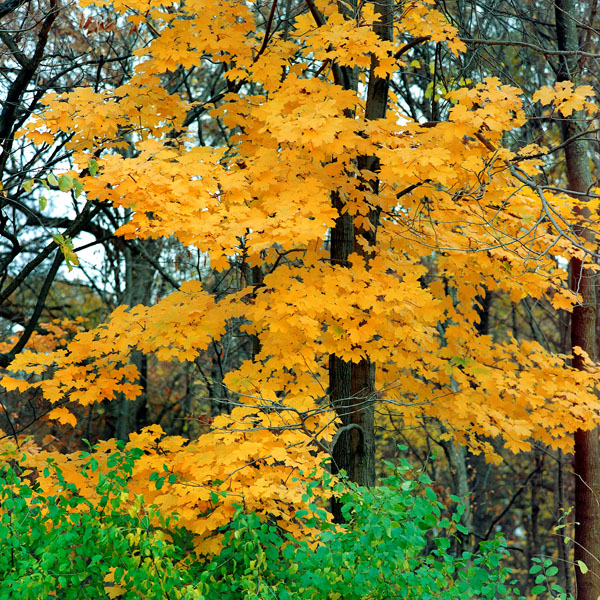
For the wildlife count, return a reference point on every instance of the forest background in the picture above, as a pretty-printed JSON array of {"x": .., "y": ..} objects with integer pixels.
[{"x": 245, "y": 237}]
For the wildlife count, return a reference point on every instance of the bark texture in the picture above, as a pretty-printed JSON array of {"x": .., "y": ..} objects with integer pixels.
[{"x": 351, "y": 386}]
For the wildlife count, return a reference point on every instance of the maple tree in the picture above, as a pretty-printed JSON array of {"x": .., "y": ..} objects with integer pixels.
[{"x": 366, "y": 240}]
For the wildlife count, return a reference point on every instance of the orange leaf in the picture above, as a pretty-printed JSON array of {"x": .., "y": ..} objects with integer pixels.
[{"x": 63, "y": 415}]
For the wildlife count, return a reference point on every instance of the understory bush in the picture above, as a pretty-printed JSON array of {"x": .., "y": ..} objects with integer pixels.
[
  {"x": 63, "y": 546},
  {"x": 397, "y": 543}
]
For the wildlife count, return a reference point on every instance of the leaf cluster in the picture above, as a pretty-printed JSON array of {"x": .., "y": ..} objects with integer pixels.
[
  {"x": 61, "y": 545},
  {"x": 398, "y": 542}
]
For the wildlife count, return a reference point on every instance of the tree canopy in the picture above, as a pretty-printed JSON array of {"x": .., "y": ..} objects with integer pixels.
[{"x": 355, "y": 236}]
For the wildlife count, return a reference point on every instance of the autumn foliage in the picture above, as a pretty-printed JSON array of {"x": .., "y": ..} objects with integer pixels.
[{"x": 459, "y": 213}]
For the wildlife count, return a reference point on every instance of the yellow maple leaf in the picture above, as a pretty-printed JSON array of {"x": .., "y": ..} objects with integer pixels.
[
  {"x": 545, "y": 95},
  {"x": 63, "y": 415},
  {"x": 10, "y": 384},
  {"x": 564, "y": 299},
  {"x": 566, "y": 97}
]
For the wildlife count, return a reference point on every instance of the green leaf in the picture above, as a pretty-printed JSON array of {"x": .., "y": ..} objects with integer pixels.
[
  {"x": 66, "y": 247},
  {"x": 43, "y": 202},
  {"x": 65, "y": 183},
  {"x": 538, "y": 589},
  {"x": 28, "y": 185},
  {"x": 77, "y": 187},
  {"x": 430, "y": 494},
  {"x": 535, "y": 569},
  {"x": 52, "y": 179},
  {"x": 93, "y": 166},
  {"x": 582, "y": 566}
]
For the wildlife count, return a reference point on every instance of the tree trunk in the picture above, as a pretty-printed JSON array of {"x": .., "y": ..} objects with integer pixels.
[
  {"x": 562, "y": 543},
  {"x": 128, "y": 416},
  {"x": 534, "y": 545},
  {"x": 583, "y": 328},
  {"x": 351, "y": 385},
  {"x": 457, "y": 455}
]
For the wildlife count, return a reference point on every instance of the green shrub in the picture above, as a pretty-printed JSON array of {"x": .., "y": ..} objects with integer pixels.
[
  {"x": 62, "y": 546},
  {"x": 397, "y": 543}
]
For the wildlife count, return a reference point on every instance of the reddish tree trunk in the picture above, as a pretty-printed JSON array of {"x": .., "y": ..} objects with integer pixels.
[{"x": 583, "y": 329}]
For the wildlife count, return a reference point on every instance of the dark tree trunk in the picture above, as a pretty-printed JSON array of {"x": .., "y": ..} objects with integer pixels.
[
  {"x": 483, "y": 305},
  {"x": 351, "y": 386}
]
